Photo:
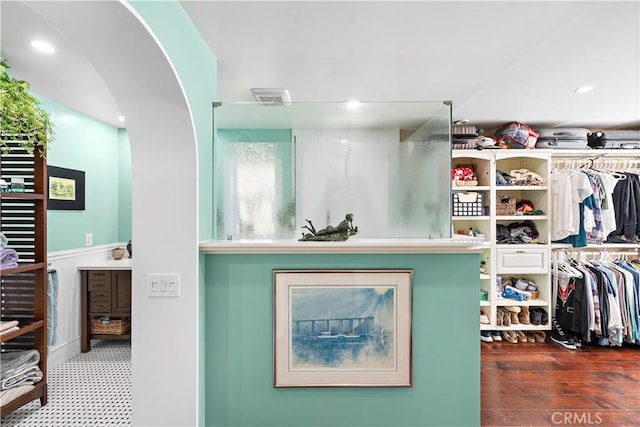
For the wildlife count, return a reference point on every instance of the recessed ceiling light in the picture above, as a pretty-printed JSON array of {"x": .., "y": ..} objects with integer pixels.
[
  {"x": 352, "y": 105},
  {"x": 121, "y": 118},
  {"x": 42, "y": 46},
  {"x": 343, "y": 141},
  {"x": 584, "y": 89},
  {"x": 461, "y": 122}
]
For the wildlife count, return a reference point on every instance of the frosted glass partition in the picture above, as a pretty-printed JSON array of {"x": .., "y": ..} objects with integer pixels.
[{"x": 388, "y": 164}]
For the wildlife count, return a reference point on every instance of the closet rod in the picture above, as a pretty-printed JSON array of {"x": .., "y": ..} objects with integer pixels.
[
  {"x": 600, "y": 252},
  {"x": 618, "y": 163}
]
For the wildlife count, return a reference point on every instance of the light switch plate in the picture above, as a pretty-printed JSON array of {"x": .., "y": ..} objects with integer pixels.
[{"x": 161, "y": 285}]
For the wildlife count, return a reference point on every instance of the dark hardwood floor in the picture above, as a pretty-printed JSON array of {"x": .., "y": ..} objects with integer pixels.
[{"x": 543, "y": 384}]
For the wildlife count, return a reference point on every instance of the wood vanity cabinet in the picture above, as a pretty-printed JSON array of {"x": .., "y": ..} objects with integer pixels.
[{"x": 104, "y": 293}]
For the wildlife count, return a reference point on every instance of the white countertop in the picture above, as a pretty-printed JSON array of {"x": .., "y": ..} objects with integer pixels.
[
  {"x": 457, "y": 244},
  {"x": 108, "y": 264}
]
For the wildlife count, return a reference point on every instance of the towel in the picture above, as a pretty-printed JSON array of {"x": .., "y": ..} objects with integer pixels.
[
  {"x": 3, "y": 241},
  {"x": 6, "y": 331},
  {"x": 52, "y": 307},
  {"x": 7, "y": 396},
  {"x": 30, "y": 375},
  {"x": 7, "y": 324},
  {"x": 15, "y": 360},
  {"x": 8, "y": 258}
]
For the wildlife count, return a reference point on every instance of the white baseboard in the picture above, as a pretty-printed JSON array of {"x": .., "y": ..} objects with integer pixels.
[{"x": 61, "y": 353}]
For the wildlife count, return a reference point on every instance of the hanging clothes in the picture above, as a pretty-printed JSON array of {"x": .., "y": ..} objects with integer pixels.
[
  {"x": 598, "y": 301},
  {"x": 626, "y": 199},
  {"x": 590, "y": 206}
]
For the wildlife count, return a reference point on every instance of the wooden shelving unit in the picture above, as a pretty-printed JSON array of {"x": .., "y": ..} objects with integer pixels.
[{"x": 24, "y": 288}]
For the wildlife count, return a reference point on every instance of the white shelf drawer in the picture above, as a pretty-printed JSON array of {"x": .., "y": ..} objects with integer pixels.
[{"x": 523, "y": 260}]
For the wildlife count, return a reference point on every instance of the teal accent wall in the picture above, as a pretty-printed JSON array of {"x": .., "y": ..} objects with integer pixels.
[
  {"x": 239, "y": 349},
  {"x": 92, "y": 146},
  {"x": 124, "y": 186},
  {"x": 196, "y": 67}
]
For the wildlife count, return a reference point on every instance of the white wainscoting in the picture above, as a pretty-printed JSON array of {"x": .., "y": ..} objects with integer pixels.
[{"x": 66, "y": 263}]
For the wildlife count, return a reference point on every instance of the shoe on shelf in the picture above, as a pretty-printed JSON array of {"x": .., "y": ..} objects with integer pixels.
[
  {"x": 484, "y": 319},
  {"x": 506, "y": 317},
  {"x": 544, "y": 318},
  {"x": 485, "y": 336},
  {"x": 510, "y": 336},
  {"x": 513, "y": 313},
  {"x": 531, "y": 337},
  {"x": 496, "y": 335},
  {"x": 521, "y": 336},
  {"x": 499, "y": 317},
  {"x": 524, "y": 316},
  {"x": 540, "y": 336},
  {"x": 535, "y": 316}
]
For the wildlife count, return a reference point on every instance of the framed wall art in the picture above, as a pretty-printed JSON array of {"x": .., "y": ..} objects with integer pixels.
[
  {"x": 66, "y": 189},
  {"x": 342, "y": 328}
]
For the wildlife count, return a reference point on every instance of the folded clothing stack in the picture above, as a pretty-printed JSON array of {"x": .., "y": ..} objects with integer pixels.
[
  {"x": 8, "y": 256},
  {"x": 7, "y": 326},
  {"x": 19, "y": 367}
]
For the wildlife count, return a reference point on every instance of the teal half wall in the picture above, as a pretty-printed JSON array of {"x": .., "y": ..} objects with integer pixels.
[
  {"x": 239, "y": 348},
  {"x": 101, "y": 151}
]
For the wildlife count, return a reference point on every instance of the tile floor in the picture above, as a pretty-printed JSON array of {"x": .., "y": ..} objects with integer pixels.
[{"x": 92, "y": 389}]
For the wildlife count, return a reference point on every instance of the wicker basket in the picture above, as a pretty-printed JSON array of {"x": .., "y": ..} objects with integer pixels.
[
  {"x": 113, "y": 326},
  {"x": 505, "y": 206}
]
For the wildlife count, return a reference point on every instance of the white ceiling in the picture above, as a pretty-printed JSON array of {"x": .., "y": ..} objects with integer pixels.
[{"x": 497, "y": 61}]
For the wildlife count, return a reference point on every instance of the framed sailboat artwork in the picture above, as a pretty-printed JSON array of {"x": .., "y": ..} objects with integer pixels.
[{"x": 342, "y": 328}]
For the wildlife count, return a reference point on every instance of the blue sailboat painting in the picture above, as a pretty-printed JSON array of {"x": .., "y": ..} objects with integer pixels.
[{"x": 342, "y": 328}]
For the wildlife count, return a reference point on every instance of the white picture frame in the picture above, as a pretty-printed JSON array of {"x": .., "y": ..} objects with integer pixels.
[{"x": 342, "y": 328}]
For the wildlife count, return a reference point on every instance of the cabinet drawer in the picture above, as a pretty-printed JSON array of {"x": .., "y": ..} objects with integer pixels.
[
  {"x": 99, "y": 285},
  {"x": 100, "y": 306},
  {"x": 100, "y": 296},
  {"x": 99, "y": 275},
  {"x": 529, "y": 260}
]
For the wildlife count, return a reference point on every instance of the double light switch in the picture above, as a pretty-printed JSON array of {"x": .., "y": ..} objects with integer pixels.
[{"x": 163, "y": 285}]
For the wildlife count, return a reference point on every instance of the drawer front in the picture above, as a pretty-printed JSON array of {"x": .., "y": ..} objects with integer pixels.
[
  {"x": 99, "y": 275},
  {"x": 529, "y": 260},
  {"x": 99, "y": 296},
  {"x": 99, "y": 285},
  {"x": 100, "y": 306}
]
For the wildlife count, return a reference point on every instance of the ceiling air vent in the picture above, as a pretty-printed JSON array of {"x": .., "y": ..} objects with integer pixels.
[{"x": 271, "y": 96}]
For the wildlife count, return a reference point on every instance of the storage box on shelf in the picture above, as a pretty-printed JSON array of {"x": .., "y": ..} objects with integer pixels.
[
  {"x": 525, "y": 261},
  {"x": 24, "y": 288}
]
